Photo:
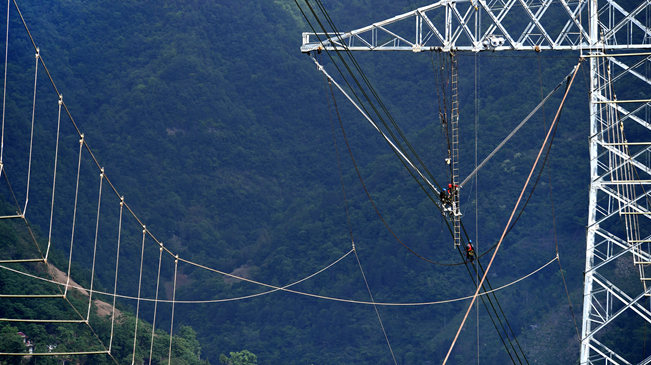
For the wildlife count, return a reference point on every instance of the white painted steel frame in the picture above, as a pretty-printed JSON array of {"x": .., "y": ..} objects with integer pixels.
[
  {"x": 613, "y": 200},
  {"x": 449, "y": 25}
]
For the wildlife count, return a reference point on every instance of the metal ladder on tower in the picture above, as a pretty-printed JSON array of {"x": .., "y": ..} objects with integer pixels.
[
  {"x": 625, "y": 180},
  {"x": 630, "y": 211},
  {"x": 454, "y": 124}
]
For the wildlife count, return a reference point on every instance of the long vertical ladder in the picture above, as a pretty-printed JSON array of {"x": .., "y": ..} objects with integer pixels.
[
  {"x": 454, "y": 124},
  {"x": 630, "y": 208}
]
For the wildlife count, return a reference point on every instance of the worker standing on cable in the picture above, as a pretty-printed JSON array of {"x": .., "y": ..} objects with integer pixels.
[{"x": 470, "y": 252}]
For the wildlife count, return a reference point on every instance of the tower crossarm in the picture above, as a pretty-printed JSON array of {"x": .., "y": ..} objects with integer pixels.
[{"x": 496, "y": 25}]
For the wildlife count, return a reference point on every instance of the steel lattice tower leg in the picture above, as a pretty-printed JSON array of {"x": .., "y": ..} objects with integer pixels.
[
  {"x": 616, "y": 286},
  {"x": 592, "y": 224}
]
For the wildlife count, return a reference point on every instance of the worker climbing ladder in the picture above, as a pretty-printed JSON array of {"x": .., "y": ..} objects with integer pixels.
[{"x": 454, "y": 125}]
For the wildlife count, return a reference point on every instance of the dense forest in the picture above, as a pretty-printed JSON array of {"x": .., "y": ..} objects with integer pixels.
[{"x": 225, "y": 141}]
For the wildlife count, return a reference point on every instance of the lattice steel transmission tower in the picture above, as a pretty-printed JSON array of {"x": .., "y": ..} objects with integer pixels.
[{"x": 615, "y": 36}]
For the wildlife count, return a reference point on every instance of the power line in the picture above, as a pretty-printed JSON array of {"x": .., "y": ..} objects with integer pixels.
[
  {"x": 514, "y": 131},
  {"x": 286, "y": 289},
  {"x": 370, "y": 294},
  {"x": 4, "y": 90}
]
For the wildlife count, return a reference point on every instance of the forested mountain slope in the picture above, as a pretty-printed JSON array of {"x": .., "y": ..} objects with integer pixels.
[
  {"x": 67, "y": 337},
  {"x": 219, "y": 133}
]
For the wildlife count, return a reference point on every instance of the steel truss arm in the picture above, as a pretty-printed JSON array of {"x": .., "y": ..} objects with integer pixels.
[{"x": 450, "y": 25}]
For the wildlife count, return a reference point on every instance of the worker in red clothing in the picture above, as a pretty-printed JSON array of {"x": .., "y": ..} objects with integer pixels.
[
  {"x": 453, "y": 191},
  {"x": 470, "y": 252}
]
